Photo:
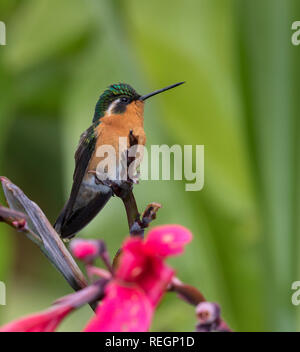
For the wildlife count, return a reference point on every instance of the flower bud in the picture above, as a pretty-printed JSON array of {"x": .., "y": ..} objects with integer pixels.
[
  {"x": 207, "y": 313},
  {"x": 90, "y": 250},
  {"x": 87, "y": 250}
]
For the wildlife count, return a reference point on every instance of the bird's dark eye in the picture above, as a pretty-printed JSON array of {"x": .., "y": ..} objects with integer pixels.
[{"x": 124, "y": 100}]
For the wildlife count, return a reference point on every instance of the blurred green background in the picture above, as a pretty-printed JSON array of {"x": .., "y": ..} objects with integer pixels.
[{"x": 241, "y": 101}]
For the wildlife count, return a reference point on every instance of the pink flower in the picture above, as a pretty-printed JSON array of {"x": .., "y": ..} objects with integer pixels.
[
  {"x": 45, "y": 321},
  {"x": 140, "y": 280},
  {"x": 142, "y": 262},
  {"x": 48, "y": 320},
  {"x": 124, "y": 309},
  {"x": 133, "y": 292}
]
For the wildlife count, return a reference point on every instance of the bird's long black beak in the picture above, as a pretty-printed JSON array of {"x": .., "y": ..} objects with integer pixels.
[{"x": 144, "y": 97}]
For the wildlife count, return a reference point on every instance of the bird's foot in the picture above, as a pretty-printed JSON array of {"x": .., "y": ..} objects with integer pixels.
[
  {"x": 109, "y": 183},
  {"x": 119, "y": 188},
  {"x": 97, "y": 180}
]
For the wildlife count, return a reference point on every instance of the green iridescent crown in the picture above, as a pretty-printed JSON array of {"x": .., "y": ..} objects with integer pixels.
[{"x": 110, "y": 94}]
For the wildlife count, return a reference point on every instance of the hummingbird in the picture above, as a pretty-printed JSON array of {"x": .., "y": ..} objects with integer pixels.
[{"x": 119, "y": 112}]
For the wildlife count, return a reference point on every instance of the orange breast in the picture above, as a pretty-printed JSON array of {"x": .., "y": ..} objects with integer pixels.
[{"x": 119, "y": 125}]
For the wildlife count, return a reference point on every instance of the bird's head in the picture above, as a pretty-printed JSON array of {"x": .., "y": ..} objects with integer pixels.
[{"x": 117, "y": 97}]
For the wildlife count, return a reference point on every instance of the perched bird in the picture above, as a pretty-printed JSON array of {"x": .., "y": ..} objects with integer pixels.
[{"x": 119, "y": 113}]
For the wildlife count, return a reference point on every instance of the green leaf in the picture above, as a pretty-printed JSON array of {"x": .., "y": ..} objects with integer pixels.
[
  {"x": 271, "y": 113},
  {"x": 40, "y": 30}
]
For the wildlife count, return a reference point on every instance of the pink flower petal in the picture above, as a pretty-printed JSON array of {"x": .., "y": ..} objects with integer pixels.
[
  {"x": 46, "y": 321},
  {"x": 124, "y": 309},
  {"x": 132, "y": 260},
  {"x": 133, "y": 244},
  {"x": 155, "y": 280},
  {"x": 167, "y": 240}
]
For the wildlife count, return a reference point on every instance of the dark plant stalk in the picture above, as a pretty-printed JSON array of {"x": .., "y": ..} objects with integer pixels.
[
  {"x": 27, "y": 217},
  {"x": 193, "y": 296},
  {"x": 137, "y": 228},
  {"x": 131, "y": 208}
]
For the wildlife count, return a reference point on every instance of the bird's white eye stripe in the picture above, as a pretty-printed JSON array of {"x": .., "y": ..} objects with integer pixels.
[{"x": 112, "y": 106}]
